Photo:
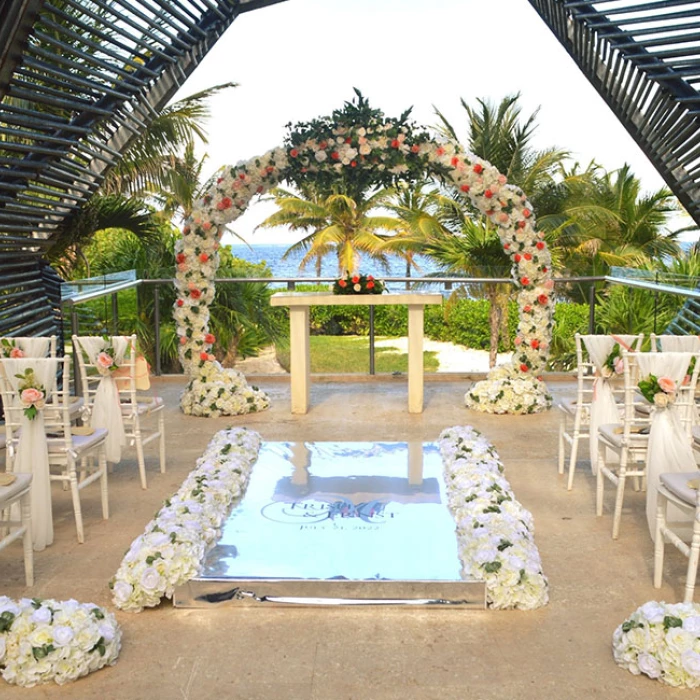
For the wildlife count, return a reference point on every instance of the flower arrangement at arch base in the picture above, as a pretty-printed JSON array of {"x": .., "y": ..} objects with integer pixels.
[{"x": 358, "y": 284}]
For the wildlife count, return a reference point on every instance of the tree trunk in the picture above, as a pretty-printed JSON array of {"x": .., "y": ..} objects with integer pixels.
[{"x": 495, "y": 313}]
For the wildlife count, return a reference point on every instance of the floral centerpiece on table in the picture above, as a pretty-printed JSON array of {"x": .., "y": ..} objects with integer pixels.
[
  {"x": 660, "y": 391},
  {"x": 32, "y": 394},
  {"x": 358, "y": 284},
  {"x": 50, "y": 640},
  {"x": 662, "y": 641},
  {"x": 9, "y": 348}
]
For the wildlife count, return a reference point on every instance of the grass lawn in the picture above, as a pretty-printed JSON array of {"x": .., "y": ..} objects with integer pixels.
[{"x": 335, "y": 354}]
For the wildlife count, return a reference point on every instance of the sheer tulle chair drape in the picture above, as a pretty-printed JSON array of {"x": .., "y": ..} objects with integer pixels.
[
  {"x": 50, "y": 444},
  {"x": 670, "y": 436},
  {"x": 28, "y": 346},
  {"x": 113, "y": 399},
  {"x": 604, "y": 408},
  {"x": 27, "y": 448}
]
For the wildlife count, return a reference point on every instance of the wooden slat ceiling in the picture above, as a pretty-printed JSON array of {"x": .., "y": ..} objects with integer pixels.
[
  {"x": 79, "y": 79},
  {"x": 644, "y": 60}
]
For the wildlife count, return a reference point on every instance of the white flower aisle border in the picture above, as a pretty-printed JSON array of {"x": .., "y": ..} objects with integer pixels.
[
  {"x": 173, "y": 545},
  {"x": 662, "y": 641},
  {"x": 43, "y": 641},
  {"x": 377, "y": 151},
  {"x": 495, "y": 534}
]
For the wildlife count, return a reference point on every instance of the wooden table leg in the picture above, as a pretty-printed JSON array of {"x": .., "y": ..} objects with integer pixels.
[
  {"x": 300, "y": 358},
  {"x": 415, "y": 358}
]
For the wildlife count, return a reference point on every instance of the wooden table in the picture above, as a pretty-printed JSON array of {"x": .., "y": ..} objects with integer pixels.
[{"x": 299, "y": 304}]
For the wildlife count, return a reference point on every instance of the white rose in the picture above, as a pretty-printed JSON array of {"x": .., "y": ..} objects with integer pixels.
[
  {"x": 649, "y": 665},
  {"x": 692, "y": 624},
  {"x": 41, "y": 616},
  {"x": 122, "y": 592},
  {"x": 62, "y": 635},
  {"x": 661, "y": 400},
  {"x": 679, "y": 640},
  {"x": 150, "y": 579},
  {"x": 321, "y": 156},
  {"x": 654, "y": 612}
]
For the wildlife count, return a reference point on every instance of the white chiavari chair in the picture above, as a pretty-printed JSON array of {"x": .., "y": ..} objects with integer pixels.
[{"x": 136, "y": 406}]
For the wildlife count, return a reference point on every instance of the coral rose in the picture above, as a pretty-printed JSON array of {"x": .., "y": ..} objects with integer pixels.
[
  {"x": 667, "y": 385},
  {"x": 16, "y": 353}
]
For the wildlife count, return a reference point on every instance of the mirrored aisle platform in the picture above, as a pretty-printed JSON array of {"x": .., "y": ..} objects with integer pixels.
[{"x": 331, "y": 523}]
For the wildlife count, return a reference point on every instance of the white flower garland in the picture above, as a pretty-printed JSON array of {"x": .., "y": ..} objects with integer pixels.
[
  {"x": 357, "y": 148},
  {"x": 494, "y": 531},
  {"x": 50, "y": 640},
  {"x": 172, "y": 548},
  {"x": 508, "y": 392},
  {"x": 662, "y": 641}
]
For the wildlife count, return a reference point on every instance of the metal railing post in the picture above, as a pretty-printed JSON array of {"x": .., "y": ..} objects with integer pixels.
[
  {"x": 371, "y": 340},
  {"x": 115, "y": 314},
  {"x": 156, "y": 323},
  {"x": 591, "y": 309},
  {"x": 74, "y": 331}
]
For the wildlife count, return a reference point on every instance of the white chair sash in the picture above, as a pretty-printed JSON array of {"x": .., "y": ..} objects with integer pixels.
[
  {"x": 680, "y": 343},
  {"x": 106, "y": 411},
  {"x": 669, "y": 448},
  {"x": 34, "y": 347},
  {"x": 603, "y": 407},
  {"x": 32, "y": 450}
]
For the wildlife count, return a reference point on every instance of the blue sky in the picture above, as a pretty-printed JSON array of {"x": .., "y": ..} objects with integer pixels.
[{"x": 301, "y": 59}]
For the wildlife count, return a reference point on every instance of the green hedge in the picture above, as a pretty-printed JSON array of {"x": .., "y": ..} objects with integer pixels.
[{"x": 464, "y": 321}]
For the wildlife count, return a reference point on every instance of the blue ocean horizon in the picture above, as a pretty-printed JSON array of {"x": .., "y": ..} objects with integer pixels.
[{"x": 272, "y": 255}]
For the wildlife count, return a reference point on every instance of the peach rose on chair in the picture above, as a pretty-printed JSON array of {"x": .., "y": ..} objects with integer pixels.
[
  {"x": 32, "y": 397},
  {"x": 666, "y": 384},
  {"x": 16, "y": 353},
  {"x": 104, "y": 362}
]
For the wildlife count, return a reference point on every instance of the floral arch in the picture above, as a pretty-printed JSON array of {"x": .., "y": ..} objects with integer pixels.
[{"x": 366, "y": 153}]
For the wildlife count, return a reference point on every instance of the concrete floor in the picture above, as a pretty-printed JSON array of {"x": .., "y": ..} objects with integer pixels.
[{"x": 561, "y": 651}]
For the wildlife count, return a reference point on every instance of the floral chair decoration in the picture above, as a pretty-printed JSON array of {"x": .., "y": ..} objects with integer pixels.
[
  {"x": 28, "y": 384},
  {"x": 105, "y": 355},
  {"x": 663, "y": 383},
  {"x": 605, "y": 353},
  {"x": 25, "y": 346}
]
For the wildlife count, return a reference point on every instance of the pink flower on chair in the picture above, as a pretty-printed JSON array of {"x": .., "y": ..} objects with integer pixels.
[
  {"x": 619, "y": 365},
  {"x": 667, "y": 385},
  {"x": 32, "y": 397},
  {"x": 16, "y": 353},
  {"x": 104, "y": 363}
]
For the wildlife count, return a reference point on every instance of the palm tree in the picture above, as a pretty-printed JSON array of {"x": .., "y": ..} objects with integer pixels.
[
  {"x": 606, "y": 220},
  {"x": 146, "y": 165},
  {"x": 500, "y": 135},
  {"x": 416, "y": 208},
  {"x": 472, "y": 247},
  {"x": 334, "y": 224}
]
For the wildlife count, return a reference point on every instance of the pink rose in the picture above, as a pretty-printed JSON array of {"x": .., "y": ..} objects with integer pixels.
[
  {"x": 16, "y": 353},
  {"x": 667, "y": 385},
  {"x": 32, "y": 397},
  {"x": 618, "y": 365},
  {"x": 104, "y": 361}
]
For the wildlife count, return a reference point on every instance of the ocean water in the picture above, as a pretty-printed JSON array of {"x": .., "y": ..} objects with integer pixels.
[{"x": 272, "y": 254}]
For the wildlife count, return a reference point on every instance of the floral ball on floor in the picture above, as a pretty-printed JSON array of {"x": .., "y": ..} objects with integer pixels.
[
  {"x": 508, "y": 391},
  {"x": 662, "y": 641},
  {"x": 43, "y": 641},
  {"x": 359, "y": 147}
]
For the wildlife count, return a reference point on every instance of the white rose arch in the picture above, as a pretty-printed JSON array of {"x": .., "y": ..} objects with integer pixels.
[{"x": 389, "y": 148}]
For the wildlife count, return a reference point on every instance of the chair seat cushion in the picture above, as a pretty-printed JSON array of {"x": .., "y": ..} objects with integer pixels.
[
  {"x": 22, "y": 482},
  {"x": 677, "y": 484},
  {"x": 81, "y": 443},
  {"x": 146, "y": 406},
  {"x": 696, "y": 433},
  {"x": 612, "y": 434},
  {"x": 569, "y": 407}
]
